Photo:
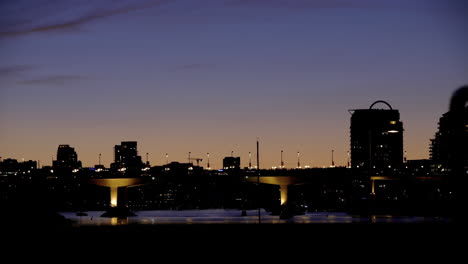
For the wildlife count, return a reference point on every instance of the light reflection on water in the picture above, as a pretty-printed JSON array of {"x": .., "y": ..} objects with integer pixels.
[{"x": 220, "y": 216}]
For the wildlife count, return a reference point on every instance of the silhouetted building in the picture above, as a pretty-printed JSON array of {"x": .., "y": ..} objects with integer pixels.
[
  {"x": 376, "y": 139},
  {"x": 126, "y": 155},
  {"x": 29, "y": 165},
  {"x": 443, "y": 145},
  {"x": 9, "y": 166},
  {"x": 421, "y": 167},
  {"x": 176, "y": 168},
  {"x": 66, "y": 158},
  {"x": 12, "y": 165},
  {"x": 231, "y": 163}
]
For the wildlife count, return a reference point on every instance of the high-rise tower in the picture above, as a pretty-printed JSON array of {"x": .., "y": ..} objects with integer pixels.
[
  {"x": 126, "y": 155},
  {"x": 66, "y": 158},
  {"x": 376, "y": 139}
]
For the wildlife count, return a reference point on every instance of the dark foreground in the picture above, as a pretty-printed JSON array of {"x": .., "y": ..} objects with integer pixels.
[
  {"x": 52, "y": 234},
  {"x": 227, "y": 243},
  {"x": 403, "y": 233}
]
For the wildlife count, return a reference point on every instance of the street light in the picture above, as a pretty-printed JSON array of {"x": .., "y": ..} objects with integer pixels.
[
  {"x": 282, "y": 163},
  {"x": 349, "y": 164},
  {"x": 333, "y": 161},
  {"x": 298, "y": 161},
  {"x": 258, "y": 182}
]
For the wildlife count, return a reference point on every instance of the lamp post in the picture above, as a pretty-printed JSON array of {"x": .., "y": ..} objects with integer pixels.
[
  {"x": 333, "y": 161},
  {"x": 258, "y": 182},
  {"x": 298, "y": 161},
  {"x": 282, "y": 163},
  {"x": 349, "y": 164}
]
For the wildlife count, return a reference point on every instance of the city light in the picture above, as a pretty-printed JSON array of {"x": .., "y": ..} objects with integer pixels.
[{"x": 191, "y": 187}]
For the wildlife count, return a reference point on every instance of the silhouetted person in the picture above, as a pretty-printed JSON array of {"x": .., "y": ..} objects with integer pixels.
[{"x": 458, "y": 160}]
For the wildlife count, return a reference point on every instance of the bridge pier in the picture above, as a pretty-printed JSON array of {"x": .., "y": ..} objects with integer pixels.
[
  {"x": 118, "y": 194},
  {"x": 113, "y": 196},
  {"x": 284, "y": 193},
  {"x": 284, "y": 182}
]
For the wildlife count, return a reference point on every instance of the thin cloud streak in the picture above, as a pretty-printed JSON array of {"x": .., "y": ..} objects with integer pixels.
[
  {"x": 301, "y": 4},
  {"x": 14, "y": 70},
  {"x": 193, "y": 66},
  {"x": 54, "y": 80},
  {"x": 83, "y": 19},
  {"x": 421, "y": 5}
]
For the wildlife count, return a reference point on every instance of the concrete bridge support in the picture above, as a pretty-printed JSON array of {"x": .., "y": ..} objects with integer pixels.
[
  {"x": 118, "y": 194},
  {"x": 283, "y": 182}
]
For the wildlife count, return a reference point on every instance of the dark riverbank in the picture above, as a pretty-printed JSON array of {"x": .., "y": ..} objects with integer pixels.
[{"x": 348, "y": 241}]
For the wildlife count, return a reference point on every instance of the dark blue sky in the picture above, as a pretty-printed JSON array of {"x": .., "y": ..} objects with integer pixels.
[{"x": 212, "y": 76}]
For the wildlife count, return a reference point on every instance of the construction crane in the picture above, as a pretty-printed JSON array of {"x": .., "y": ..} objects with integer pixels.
[{"x": 196, "y": 159}]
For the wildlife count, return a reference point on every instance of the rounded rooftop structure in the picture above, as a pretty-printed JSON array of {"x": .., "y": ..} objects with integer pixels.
[{"x": 381, "y": 101}]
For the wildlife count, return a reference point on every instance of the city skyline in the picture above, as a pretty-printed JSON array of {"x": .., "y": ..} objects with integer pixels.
[
  {"x": 248, "y": 163},
  {"x": 180, "y": 77}
]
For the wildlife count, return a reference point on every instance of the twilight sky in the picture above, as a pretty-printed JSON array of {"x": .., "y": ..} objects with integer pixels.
[{"x": 213, "y": 75}]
